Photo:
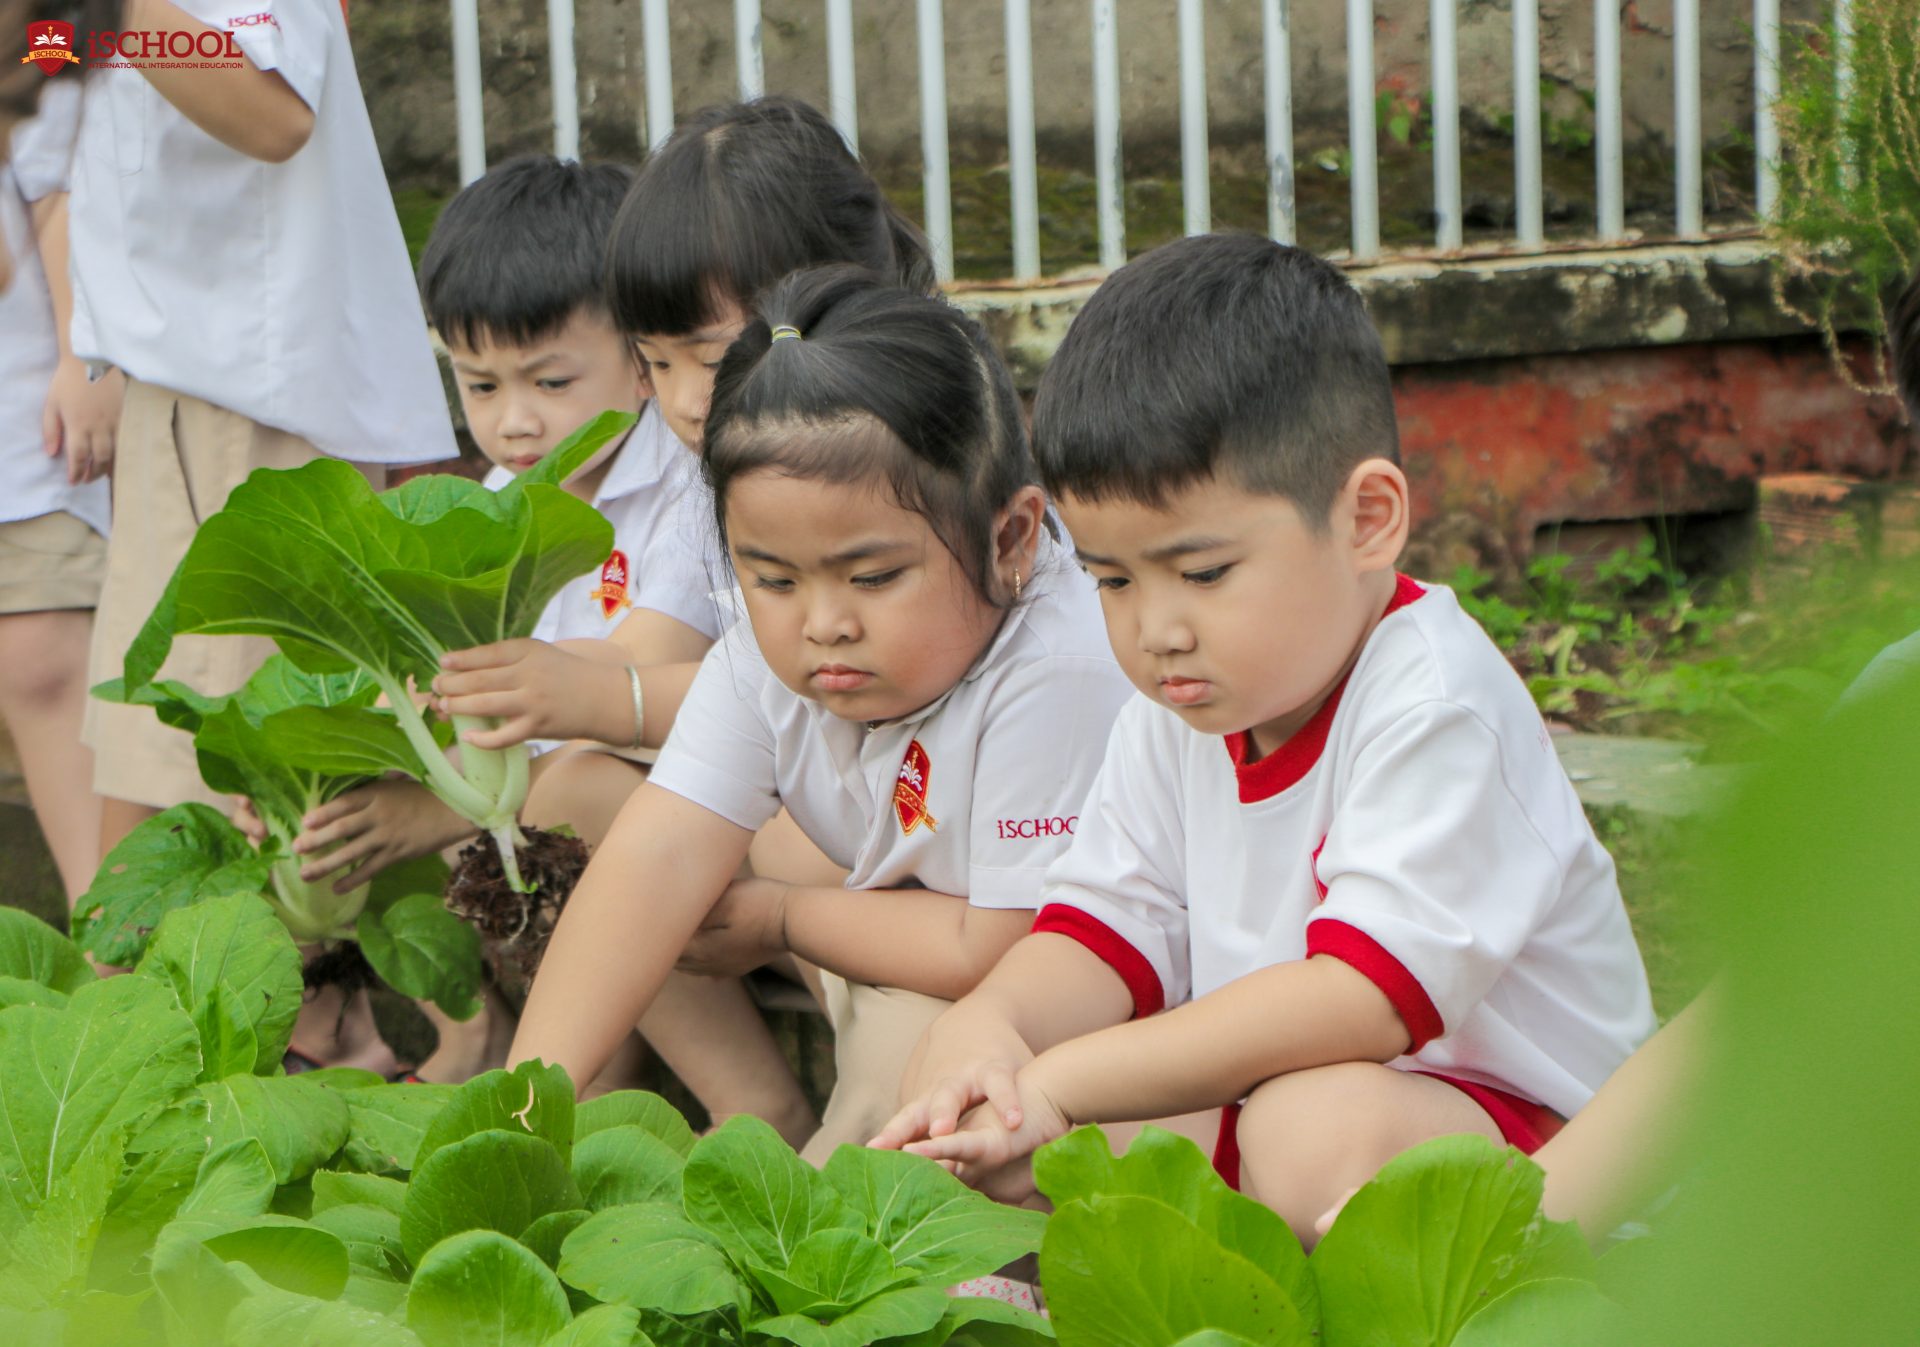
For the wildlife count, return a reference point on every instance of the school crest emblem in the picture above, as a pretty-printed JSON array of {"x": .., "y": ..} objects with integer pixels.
[
  {"x": 611, "y": 592},
  {"x": 50, "y": 45},
  {"x": 910, "y": 790}
]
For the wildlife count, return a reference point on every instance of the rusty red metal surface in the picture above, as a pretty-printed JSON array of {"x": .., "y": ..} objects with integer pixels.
[{"x": 1495, "y": 449}]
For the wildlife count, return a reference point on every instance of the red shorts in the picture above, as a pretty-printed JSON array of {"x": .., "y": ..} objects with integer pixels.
[{"x": 1524, "y": 1124}]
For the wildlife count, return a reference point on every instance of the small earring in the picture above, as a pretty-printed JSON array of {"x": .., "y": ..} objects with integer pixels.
[{"x": 1016, "y": 584}]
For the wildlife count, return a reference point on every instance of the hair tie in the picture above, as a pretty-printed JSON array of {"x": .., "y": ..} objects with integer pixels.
[{"x": 782, "y": 332}]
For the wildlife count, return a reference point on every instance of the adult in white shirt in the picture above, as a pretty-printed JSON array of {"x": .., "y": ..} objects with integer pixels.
[
  {"x": 236, "y": 253},
  {"x": 56, "y": 443}
]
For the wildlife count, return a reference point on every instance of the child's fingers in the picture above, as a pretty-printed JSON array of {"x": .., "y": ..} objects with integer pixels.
[
  {"x": 515, "y": 731},
  {"x": 332, "y": 834},
  {"x": 909, "y": 1124},
  {"x": 970, "y": 1148},
  {"x": 997, "y": 1084},
  {"x": 480, "y": 657},
  {"x": 480, "y": 704},
  {"x": 950, "y": 1099},
  {"x": 337, "y": 808}
]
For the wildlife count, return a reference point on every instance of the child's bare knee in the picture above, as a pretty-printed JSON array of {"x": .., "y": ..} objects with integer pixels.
[
  {"x": 1309, "y": 1136},
  {"x": 583, "y": 791}
]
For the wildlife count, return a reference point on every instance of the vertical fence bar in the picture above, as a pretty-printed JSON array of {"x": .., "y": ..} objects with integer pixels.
[
  {"x": 1106, "y": 135},
  {"x": 1686, "y": 117},
  {"x": 659, "y": 59},
  {"x": 1020, "y": 149},
  {"x": 566, "y": 85},
  {"x": 1195, "y": 192},
  {"x": 746, "y": 48},
  {"x": 1766, "y": 90},
  {"x": 1843, "y": 82},
  {"x": 938, "y": 208},
  {"x": 1446, "y": 126},
  {"x": 842, "y": 95},
  {"x": 1361, "y": 147},
  {"x": 1529, "y": 226},
  {"x": 1608, "y": 139},
  {"x": 469, "y": 116},
  {"x": 1277, "y": 39}
]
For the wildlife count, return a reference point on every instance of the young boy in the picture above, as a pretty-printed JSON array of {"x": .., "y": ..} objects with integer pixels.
[{"x": 1332, "y": 835}]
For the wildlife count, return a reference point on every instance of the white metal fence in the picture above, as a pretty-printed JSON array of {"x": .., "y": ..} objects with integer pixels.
[{"x": 1609, "y": 223}]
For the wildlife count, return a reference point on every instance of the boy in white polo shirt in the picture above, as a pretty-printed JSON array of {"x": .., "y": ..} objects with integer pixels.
[
  {"x": 1332, "y": 839},
  {"x": 236, "y": 254}
]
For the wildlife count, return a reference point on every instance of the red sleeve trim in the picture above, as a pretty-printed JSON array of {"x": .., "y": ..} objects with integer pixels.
[
  {"x": 1361, "y": 951},
  {"x": 1149, "y": 998}
]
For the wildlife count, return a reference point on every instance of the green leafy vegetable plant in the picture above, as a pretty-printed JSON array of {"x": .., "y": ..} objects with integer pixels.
[{"x": 348, "y": 581}]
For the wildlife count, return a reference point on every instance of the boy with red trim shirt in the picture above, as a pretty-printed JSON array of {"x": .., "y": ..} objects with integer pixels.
[{"x": 1333, "y": 836}]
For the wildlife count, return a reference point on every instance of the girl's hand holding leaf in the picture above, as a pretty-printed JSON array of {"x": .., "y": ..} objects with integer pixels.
[
  {"x": 745, "y": 929},
  {"x": 534, "y": 690},
  {"x": 372, "y": 827}
]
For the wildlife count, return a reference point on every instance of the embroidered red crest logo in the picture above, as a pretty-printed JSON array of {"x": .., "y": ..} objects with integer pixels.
[
  {"x": 50, "y": 45},
  {"x": 611, "y": 592},
  {"x": 910, "y": 791}
]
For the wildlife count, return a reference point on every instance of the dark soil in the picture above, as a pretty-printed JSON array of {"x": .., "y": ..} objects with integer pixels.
[{"x": 514, "y": 927}]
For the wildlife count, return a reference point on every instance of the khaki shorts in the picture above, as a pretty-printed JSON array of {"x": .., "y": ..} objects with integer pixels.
[
  {"x": 176, "y": 461},
  {"x": 875, "y": 1030},
  {"x": 53, "y": 560}
]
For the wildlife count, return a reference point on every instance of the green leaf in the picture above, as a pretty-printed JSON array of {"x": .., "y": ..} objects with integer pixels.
[
  {"x": 496, "y": 1180},
  {"x": 1170, "y": 1168},
  {"x": 480, "y": 1289},
  {"x": 148, "y": 1195},
  {"x": 282, "y": 1251},
  {"x": 1413, "y": 1252},
  {"x": 300, "y": 1124},
  {"x": 891, "y": 1314},
  {"x": 197, "y": 1291},
  {"x": 382, "y": 1295},
  {"x": 386, "y": 1123},
  {"x": 230, "y": 954},
  {"x": 173, "y": 860},
  {"x": 622, "y": 1165},
  {"x": 372, "y": 1237},
  {"x": 1133, "y": 1272},
  {"x": 288, "y": 1320},
  {"x": 603, "y": 1326},
  {"x": 235, "y": 1180},
  {"x": 1557, "y": 1310},
  {"x": 533, "y": 1099},
  {"x": 635, "y": 1108},
  {"x": 572, "y": 453},
  {"x": 420, "y": 948},
  {"x": 651, "y": 1257},
  {"x": 331, "y": 1188},
  {"x": 979, "y": 1321},
  {"x": 34, "y": 952},
  {"x": 929, "y": 1221},
  {"x": 1214, "y": 1337},
  {"x": 344, "y": 1077},
  {"x": 48, "y": 1254},
  {"x": 747, "y": 1188},
  {"x": 547, "y": 1235},
  {"x": 116, "y": 1053},
  {"x": 21, "y": 992},
  {"x": 831, "y": 1272}
]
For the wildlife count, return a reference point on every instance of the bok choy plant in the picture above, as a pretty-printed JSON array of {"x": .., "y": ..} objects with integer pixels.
[{"x": 345, "y": 579}]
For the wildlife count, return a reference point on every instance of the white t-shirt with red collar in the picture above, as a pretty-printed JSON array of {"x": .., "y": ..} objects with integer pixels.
[
  {"x": 1419, "y": 827},
  {"x": 973, "y": 795}
]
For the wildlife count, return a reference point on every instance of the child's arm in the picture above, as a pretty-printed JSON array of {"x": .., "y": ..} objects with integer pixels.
[
  {"x": 251, "y": 110},
  {"x": 81, "y": 418},
  {"x": 642, "y": 896},
  {"x": 913, "y": 939}
]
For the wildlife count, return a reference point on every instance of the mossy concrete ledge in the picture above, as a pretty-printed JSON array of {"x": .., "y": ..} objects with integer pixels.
[{"x": 1432, "y": 309}]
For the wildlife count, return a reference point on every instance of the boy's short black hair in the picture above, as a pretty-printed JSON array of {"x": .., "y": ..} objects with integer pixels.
[
  {"x": 1218, "y": 355},
  {"x": 521, "y": 250}
]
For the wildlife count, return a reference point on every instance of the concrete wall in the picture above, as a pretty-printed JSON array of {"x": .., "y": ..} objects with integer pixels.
[{"x": 406, "y": 67}]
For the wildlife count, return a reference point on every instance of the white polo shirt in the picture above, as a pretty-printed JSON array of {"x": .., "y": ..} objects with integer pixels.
[
  {"x": 1419, "y": 827},
  {"x": 282, "y": 292},
  {"x": 31, "y": 484},
  {"x": 973, "y": 795}
]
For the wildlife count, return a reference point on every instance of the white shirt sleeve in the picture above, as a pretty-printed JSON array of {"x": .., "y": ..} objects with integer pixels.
[
  {"x": 290, "y": 36},
  {"x": 678, "y": 571},
  {"x": 1040, "y": 744},
  {"x": 42, "y": 146},
  {"x": 1120, "y": 888},
  {"x": 720, "y": 753},
  {"x": 1435, "y": 875}
]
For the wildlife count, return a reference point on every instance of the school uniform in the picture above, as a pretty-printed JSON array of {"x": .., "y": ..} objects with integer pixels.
[
  {"x": 973, "y": 795},
  {"x": 666, "y": 548},
  {"x": 1419, "y": 828},
  {"x": 262, "y": 313},
  {"x": 52, "y": 533}
]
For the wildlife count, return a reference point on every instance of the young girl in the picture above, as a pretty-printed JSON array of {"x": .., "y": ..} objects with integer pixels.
[{"x": 923, "y": 682}]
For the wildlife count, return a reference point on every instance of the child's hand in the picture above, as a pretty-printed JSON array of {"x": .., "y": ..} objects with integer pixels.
[
  {"x": 984, "y": 1146},
  {"x": 967, "y": 1059},
  {"x": 247, "y": 821},
  {"x": 375, "y": 826},
  {"x": 745, "y": 929},
  {"x": 536, "y": 690},
  {"x": 81, "y": 419}
]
